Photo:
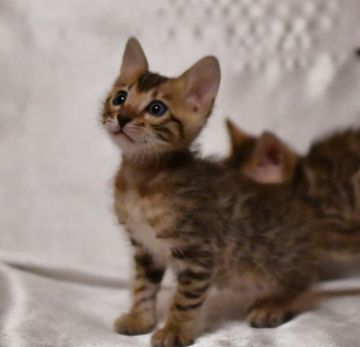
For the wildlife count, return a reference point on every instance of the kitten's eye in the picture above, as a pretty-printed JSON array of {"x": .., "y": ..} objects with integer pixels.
[
  {"x": 119, "y": 98},
  {"x": 156, "y": 108}
]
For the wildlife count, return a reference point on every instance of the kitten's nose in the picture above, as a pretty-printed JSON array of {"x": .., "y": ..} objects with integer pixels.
[{"x": 123, "y": 120}]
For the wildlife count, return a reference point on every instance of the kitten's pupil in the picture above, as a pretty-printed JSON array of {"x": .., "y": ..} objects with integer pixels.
[
  {"x": 157, "y": 108},
  {"x": 120, "y": 98}
]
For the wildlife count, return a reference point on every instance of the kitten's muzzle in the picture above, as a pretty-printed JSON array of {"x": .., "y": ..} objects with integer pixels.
[{"x": 123, "y": 119}]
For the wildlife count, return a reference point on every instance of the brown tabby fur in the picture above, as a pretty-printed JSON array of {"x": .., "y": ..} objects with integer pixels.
[
  {"x": 327, "y": 178},
  {"x": 213, "y": 226},
  {"x": 264, "y": 159}
]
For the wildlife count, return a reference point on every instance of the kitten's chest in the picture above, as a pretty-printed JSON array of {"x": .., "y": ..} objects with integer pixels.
[{"x": 145, "y": 218}]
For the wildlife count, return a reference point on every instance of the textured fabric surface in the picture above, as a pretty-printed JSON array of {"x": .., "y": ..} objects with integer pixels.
[
  {"x": 288, "y": 66},
  {"x": 56, "y": 306}
]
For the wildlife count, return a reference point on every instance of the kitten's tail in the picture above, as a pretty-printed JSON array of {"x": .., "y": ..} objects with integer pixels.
[{"x": 340, "y": 243}]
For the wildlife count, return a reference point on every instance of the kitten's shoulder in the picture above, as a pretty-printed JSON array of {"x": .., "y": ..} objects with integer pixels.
[{"x": 336, "y": 144}]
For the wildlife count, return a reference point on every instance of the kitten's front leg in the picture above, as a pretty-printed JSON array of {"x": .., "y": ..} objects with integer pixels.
[
  {"x": 181, "y": 324},
  {"x": 142, "y": 316}
]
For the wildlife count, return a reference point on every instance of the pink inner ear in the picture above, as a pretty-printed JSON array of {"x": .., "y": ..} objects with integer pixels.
[
  {"x": 198, "y": 95},
  {"x": 195, "y": 98},
  {"x": 273, "y": 155}
]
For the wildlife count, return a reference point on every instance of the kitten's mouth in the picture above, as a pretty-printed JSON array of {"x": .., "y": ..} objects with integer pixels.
[{"x": 121, "y": 132}]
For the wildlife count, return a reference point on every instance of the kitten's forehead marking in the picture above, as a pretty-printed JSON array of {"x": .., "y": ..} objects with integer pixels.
[
  {"x": 138, "y": 101},
  {"x": 149, "y": 81},
  {"x": 167, "y": 97},
  {"x": 145, "y": 89}
]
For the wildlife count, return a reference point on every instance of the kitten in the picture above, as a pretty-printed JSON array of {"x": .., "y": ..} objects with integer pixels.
[
  {"x": 332, "y": 166},
  {"x": 264, "y": 159},
  {"x": 211, "y": 225},
  {"x": 327, "y": 177}
]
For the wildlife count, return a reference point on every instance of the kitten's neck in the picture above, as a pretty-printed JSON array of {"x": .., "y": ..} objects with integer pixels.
[{"x": 149, "y": 167}]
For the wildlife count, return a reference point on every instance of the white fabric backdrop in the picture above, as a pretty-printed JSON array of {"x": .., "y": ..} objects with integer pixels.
[{"x": 288, "y": 66}]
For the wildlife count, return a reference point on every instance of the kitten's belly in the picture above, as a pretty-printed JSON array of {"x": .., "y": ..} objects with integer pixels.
[{"x": 249, "y": 284}]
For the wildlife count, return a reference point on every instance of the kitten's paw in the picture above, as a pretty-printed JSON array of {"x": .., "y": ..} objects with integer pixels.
[
  {"x": 268, "y": 316},
  {"x": 134, "y": 323},
  {"x": 171, "y": 336}
]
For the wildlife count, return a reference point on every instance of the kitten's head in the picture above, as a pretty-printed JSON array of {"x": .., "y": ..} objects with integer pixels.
[
  {"x": 265, "y": 159},
  {"x": 147, "y": 114}
]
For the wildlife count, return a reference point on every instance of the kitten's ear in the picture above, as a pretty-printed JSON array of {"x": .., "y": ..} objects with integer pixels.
[
  {"x": 237, "y": 136},
  {"x": 273, "y": 161},
  {"x": 134, "y": 62},
  {"x": 200, "y": 84}
]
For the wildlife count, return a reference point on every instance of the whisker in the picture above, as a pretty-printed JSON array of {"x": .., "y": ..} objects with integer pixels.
[{"x": 153, "y": 145}]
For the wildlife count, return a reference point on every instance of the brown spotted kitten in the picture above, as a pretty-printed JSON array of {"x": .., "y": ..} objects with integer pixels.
[
  {"x": 327, "y": 177},
  {"x": 213, "y": 226},
  {"x": 264, "y": 159}
]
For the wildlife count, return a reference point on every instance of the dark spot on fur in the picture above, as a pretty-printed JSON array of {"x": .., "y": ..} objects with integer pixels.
[
  {"x": 145, "y": 299},
  {"x": 202, "y": 289},
  {"x": 179, "y": 125},
  {"x": 134, "y": 242},
  {"x": 192, "y": 294},
  {"x": 189, "y": 275},
  {"x": 180, "y": 307},
  {"x": 154, "y": 276},
  {"x": 167, "y": 97},
  {"x": 140, "y": 289},
  {"x": 192, "y": 253},
  {"x": 144, "y": 260},
  {"x": 150, "y": 80}
]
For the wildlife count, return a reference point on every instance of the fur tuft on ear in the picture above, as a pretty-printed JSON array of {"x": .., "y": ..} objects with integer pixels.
[
  {"x": 134, "y": 62},
  {"x": 200, "y": 84},
  {"x": 273, "y": 161},
  {"x": 237, "y": 136}
]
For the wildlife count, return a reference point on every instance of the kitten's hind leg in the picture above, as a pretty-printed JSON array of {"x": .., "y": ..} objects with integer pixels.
[
  {"x": 270, "y": 312},
  {"x": 148, "y": 275}
]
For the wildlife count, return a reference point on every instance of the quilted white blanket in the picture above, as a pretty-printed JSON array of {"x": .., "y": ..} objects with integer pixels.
[{"x": 288, "y": 66}]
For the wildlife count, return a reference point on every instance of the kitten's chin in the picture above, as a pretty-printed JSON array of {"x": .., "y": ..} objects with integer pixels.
[
  {"x": 124, "y": 142},
  {"x": 121, "y": 137},
  {"x": 138, "y": 151},
  {"x": 129, "y": 147}
]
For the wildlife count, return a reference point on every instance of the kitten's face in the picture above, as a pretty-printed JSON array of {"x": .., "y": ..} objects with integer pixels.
[
  {"x": 264, "y": 159},
  {"x": 147, "y": 114}
]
